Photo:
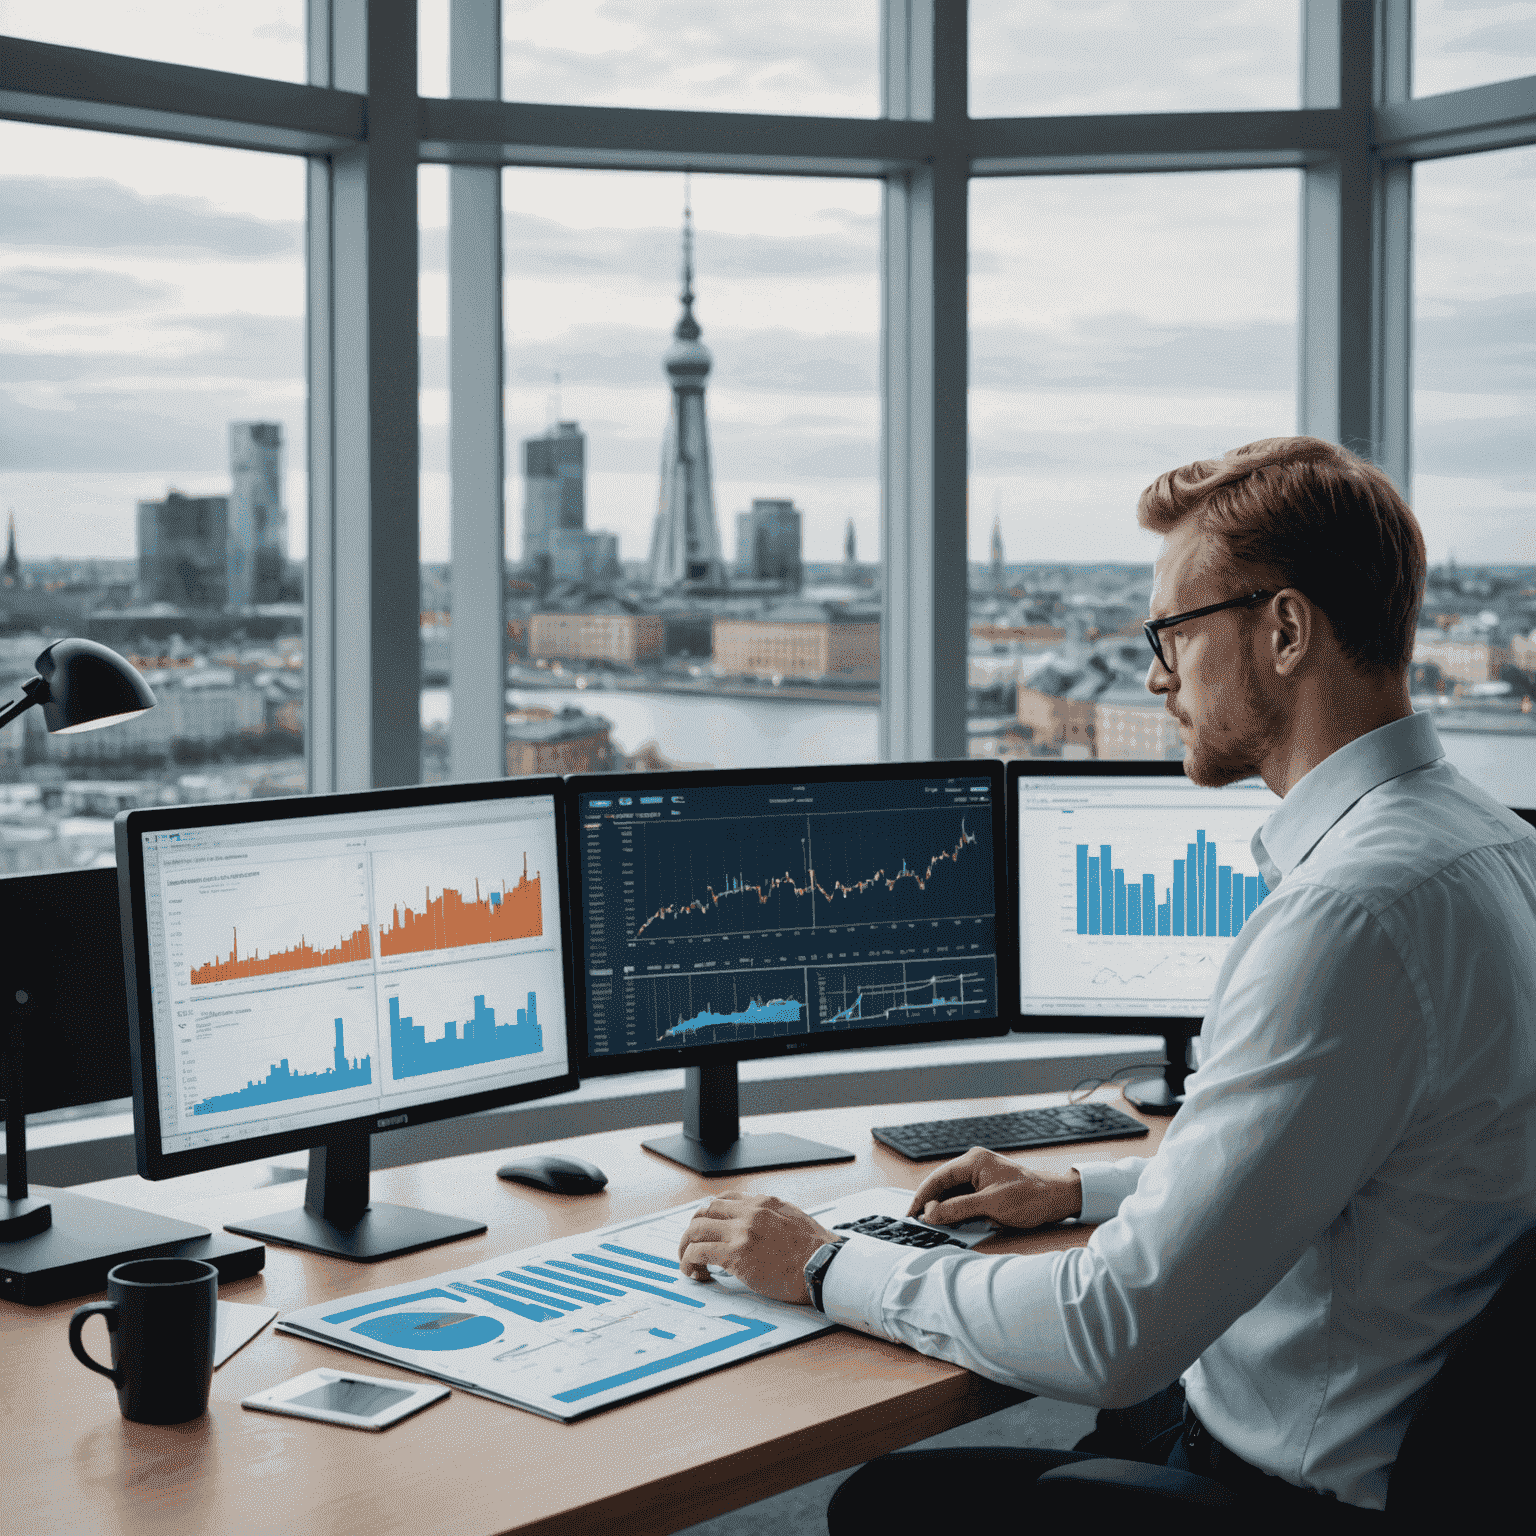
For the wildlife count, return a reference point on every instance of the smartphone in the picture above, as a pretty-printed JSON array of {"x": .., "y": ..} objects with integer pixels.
[{"x": 343, "y": 1397}]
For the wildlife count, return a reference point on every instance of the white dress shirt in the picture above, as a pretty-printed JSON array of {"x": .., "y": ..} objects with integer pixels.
[{"x": 1355, "y": 1153}]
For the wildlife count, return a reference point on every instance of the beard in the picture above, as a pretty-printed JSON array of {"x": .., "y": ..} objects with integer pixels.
[{"x": 1231, "y": 742}]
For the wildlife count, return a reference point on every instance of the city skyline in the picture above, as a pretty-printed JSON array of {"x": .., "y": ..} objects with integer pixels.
[{"x": 1121, "y": 325}]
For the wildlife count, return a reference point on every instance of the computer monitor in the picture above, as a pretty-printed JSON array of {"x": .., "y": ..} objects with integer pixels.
[
  {"x": 310, "y": 972},
  {"x": 1130, "y": 886},
  {"x": 728, "y": 915}
]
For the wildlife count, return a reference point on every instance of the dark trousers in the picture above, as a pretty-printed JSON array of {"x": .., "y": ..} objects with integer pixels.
[{"x": 924, "y": 1491}]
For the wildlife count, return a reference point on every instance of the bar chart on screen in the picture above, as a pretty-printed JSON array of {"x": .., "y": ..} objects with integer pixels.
[
  {"x": 461, "y": 896},
  {"x": 253, "y": 921},
  {"x": 236, "y": 1056}
]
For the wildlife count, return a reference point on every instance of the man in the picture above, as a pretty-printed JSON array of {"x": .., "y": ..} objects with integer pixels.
[{"x": 1266, "y": 1298}]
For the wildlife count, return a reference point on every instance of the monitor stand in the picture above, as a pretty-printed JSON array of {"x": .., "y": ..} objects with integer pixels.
[
  {"x": 712, "y": 1143},
  {"x": 1163, "y": 1095},
  {"x": 337, "y": 1217}
]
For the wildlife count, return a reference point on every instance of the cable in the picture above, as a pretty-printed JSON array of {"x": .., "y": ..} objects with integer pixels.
[{"x": 1091, "y": 1084}]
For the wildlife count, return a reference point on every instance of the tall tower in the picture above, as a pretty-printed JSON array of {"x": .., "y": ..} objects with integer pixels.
[
  {"x": 258, "y": 525},
  {"x": 10, "y": 574},
  {"x": 851, "y": 552},
  {"x": 685, "y": 543},
  {"x": 999, "y": 569}
]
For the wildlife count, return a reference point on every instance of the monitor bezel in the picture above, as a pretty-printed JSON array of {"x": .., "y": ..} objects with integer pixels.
[
  {"x": 1075, "y": 1023},
  {"x": 154, "y": 1161},
  {"x": 990, "y": 769}
]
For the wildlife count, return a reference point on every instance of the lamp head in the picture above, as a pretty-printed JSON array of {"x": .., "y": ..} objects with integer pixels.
[{"x": 88, "y": 686}]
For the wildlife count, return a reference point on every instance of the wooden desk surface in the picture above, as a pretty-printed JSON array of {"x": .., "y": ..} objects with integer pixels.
[{"x": 657, "y": 1464}]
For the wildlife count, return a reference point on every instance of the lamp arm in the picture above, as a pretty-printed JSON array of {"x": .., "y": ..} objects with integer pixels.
[{"x": 33, "y": 691}]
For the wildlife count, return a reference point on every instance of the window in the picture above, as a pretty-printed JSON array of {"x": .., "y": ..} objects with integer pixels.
[
  {"x": 808, "y": 403},
  {"x": 1457, "y": 45},
  {"x": 154, "y": 472},
  {"x": 1474, "y": 480},
  {"x": 1036, "y": 57},
  {"x": 261, "y": 37}
]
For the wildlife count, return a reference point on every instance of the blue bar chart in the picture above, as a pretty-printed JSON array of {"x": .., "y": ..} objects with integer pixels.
[
  {"x": 282, "y": 1083},
  {"x": 1202, "y": 897},
  {"x": 478, "y": 1040}
]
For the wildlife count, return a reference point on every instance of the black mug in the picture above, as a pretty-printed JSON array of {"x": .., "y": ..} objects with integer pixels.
[{"x": 162, "y": 1318}]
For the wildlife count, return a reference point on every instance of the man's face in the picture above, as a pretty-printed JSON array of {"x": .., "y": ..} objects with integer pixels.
[{"x": 1214, "y": 691}]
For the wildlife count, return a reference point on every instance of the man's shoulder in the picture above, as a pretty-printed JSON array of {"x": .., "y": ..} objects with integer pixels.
[{"x": 1412, "y": 831}]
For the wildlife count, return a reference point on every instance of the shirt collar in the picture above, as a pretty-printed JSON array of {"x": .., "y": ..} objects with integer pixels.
[{"x": 1319, "y": 798}]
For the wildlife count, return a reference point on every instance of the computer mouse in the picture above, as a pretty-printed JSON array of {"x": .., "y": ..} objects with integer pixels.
[{"x": 559, "y": 1174}]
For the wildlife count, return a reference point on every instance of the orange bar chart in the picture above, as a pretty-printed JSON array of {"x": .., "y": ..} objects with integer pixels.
[
  {"x": 303, "y": 956},
  {"x": 449, "y": 921}
]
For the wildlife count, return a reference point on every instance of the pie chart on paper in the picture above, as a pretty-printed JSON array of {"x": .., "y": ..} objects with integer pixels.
[{"x": 431, "y": 1330}]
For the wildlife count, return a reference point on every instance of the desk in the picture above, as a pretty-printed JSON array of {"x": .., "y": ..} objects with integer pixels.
[{"x": 468, "y": 1465}]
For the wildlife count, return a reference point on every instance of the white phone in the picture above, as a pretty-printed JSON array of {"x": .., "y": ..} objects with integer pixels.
[{"x": 344, "y": 1397}]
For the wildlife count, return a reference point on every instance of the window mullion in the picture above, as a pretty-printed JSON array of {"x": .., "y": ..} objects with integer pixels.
[
  {"x": 924, "y": 368},
  {"x": 475, "y": 435}
]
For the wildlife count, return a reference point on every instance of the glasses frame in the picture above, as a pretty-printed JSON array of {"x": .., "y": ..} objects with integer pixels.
[{"x": 1152, "y": 626}]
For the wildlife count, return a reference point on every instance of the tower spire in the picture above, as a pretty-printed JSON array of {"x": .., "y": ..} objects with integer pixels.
[{"x": 685, "y": 543}]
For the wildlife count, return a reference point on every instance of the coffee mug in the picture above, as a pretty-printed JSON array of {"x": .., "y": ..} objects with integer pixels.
[{"x": 162, "y": 1317}]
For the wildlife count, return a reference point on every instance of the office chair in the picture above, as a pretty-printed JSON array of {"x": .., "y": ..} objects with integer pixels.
[{"x": 1465, "y": 1451}]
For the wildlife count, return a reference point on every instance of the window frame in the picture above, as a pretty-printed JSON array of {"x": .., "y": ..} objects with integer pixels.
[{"x": 364, "y": 129}]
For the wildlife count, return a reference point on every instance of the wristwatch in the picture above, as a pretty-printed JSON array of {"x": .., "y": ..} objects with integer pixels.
[{"x": 816, "y": 1268}]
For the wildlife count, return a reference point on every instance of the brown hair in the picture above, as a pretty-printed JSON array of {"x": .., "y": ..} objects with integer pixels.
[{"x": 1312, "y": 516}]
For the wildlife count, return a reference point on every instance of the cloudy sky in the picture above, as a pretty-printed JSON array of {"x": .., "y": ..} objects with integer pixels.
[{"x": 151, "y": 292}]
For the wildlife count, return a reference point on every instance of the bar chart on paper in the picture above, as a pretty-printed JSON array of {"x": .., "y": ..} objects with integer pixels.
[{"x": 570, "y": 1326}]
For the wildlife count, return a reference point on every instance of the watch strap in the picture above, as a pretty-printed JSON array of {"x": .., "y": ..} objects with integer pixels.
[{"x": 816, "y": 1268}]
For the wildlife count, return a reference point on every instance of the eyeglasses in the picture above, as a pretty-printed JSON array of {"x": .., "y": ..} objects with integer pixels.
[{"x": 1153, "y": 627}]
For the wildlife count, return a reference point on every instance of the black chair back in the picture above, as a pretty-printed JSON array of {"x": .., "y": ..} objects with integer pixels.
[{"x": 1467, "y": 1448}]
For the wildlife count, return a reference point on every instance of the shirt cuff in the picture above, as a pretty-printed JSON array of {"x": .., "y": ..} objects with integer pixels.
[
  {"x": 1103, "y": 1190},
  {"x": 854, "y": 1284}
]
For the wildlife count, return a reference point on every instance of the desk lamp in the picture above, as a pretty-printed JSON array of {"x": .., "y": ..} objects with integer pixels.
[{"x": 81, "y": 686}]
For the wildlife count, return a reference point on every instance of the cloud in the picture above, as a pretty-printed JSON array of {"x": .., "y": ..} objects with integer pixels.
[
  {"x": 38, "y": 291},
  {"x": 100, "y": 215},
  {"x": 1126, "y": 352},
  {"x": 535, "y": 247},
  {"x": 773, "y": 360},
  {"x": 1481, "y": 347},
  {"x": 739, "y": 58},
  {"x": 1493, "y": 449},
  {"x": 255, "y": 347}
]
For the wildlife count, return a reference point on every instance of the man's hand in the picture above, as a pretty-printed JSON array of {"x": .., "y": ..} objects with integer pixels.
[
  {"x": 765, "y": 1242},
  {"x": 983, "y": 1184}
]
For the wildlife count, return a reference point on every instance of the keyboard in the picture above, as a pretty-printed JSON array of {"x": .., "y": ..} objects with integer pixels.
[
  {"x": 1050, "y": 1127},
  {"x": 892, "y": 1229}
]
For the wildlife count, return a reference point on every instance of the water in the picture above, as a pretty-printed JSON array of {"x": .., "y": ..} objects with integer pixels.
[
  {"x": 773, "y": 733},
  {"x": 712, "y": 732}
]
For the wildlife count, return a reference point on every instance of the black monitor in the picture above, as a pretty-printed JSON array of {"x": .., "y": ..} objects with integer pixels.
[
  {"x": 1131, "y": 883},
  {"x": 729, "y": 915},
  {"x": 64, "y": 1041},
  {"x": 310, "y": 972}
]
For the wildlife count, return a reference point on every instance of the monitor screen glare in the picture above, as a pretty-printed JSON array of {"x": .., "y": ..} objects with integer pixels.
[
  {"x": 733, "y": 914},
  {"x": 1131, "y": 891},
  {"x": 310, "y": 970}
]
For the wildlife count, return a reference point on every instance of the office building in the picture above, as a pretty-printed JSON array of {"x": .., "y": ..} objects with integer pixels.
[
  {"x": 10, "y": 573},
  {"x": 554, "y": 487},
  {"x": 1463, "y": 654},
  {"x": 542, "y": 741},
  {"x": 183, "y": 551},
  {"x": 685, "y": 543},
  {"x": 1059, "y": 720},
  {"x": 768, "y": 542},
  {"x": 1128, "y": 723},
  {"x": 807, "y": 641},
  {"x": 583, "y": 555},
  {"x": 624, "y": 639},
  {"x": 999, "y": 568},
  {"x": 257, "y": 547}
]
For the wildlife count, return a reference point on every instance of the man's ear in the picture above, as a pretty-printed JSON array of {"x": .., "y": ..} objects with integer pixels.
[{"x": 1291, "y": 627}]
